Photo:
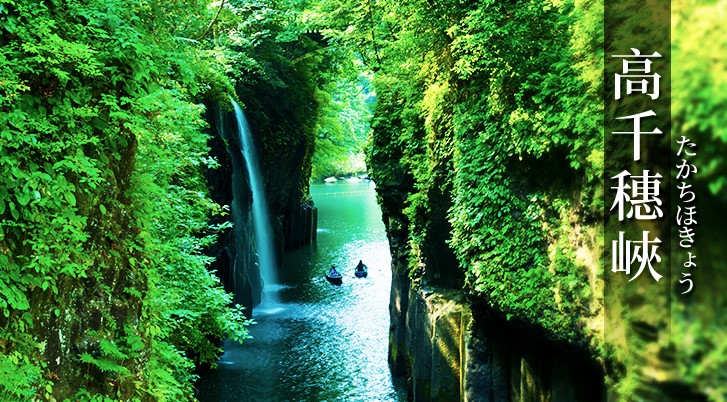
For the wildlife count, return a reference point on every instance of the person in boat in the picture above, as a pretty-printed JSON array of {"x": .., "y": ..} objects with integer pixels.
[
  {"x": 332, "y": 272},
  {"x": 360, "y": 266}
]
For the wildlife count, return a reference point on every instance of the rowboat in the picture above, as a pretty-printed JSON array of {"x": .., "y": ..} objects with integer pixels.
[
  {"x": 334, "y": 277},
  {"x": 361, "y": 271}
]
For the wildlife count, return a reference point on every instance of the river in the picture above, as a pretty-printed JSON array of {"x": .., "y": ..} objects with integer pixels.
[{"x": 316, "y": 341}]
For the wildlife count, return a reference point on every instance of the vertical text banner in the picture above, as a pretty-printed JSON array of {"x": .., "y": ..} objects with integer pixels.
[{"x": 638, "y": 276}]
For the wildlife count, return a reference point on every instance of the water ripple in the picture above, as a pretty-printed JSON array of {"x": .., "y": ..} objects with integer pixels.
[{"x": 320, "y": 342}]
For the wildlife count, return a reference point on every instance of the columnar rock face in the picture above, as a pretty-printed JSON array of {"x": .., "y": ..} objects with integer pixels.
[
  {"x": 450, "y": 353},
  {"x": 436, "y": 326},
  {"x": 392, "y": 197},
  {"x": 299, "y": 227}
]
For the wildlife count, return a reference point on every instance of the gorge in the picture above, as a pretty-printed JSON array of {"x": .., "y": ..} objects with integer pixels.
[{"x": 133, "y": 258}]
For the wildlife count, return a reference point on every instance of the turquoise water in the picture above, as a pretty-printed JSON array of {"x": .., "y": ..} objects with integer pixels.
[{"x": 320, "y": 342}]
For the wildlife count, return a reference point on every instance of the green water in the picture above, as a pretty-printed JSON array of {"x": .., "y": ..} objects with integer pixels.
[{"x": 320, "y": 342}]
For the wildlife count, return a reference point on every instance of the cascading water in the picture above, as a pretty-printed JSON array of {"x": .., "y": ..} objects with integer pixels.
[{"x": 260, "y": 218}]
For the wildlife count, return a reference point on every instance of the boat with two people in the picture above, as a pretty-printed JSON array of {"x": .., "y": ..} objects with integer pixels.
[{"x": 333, "y": 276}]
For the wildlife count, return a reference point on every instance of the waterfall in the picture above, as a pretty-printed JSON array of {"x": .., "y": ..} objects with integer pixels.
[{"x": 260, "y": 218}]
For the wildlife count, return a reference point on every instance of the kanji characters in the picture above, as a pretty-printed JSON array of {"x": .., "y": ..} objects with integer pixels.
[
  {"x": 643, "y": 197},
  {"x": 627, "y": 252},
  {"x": 637, "y": 83}
]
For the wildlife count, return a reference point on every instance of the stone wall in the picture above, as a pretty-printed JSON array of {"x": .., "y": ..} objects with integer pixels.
[
  {"x": 451, "y": 353},
  {"x": 300, "y": 224}
]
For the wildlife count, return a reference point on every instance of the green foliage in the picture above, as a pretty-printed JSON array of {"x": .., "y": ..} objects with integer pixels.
[
  {"x": 487, "y": 133},
  {"x": 104, "y": 208},
  {"x": 19, "y": 377},
  {"x": 342, "y": 128},
  {"x": 296, "y": 90},
  {"x": 698, "y": 101},
  {"x": 111, "y": 355},
  {"x": 500, "y": 105},
  {"x": 470, "y": 104},
  {"x": 699, "y": 89}
]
